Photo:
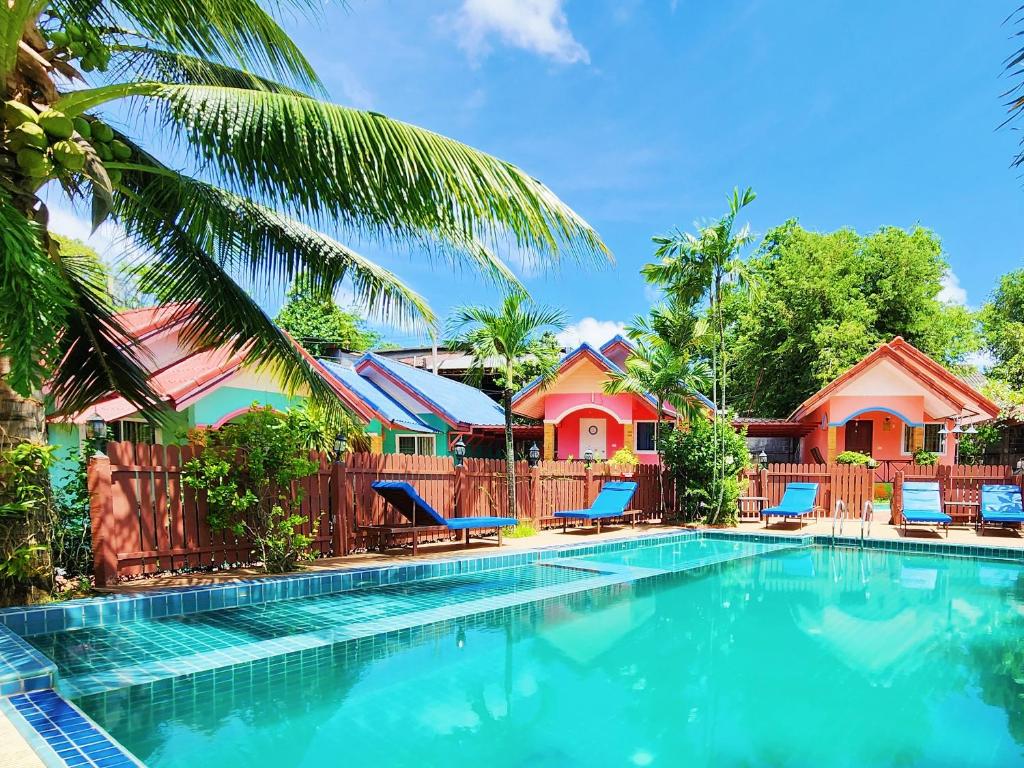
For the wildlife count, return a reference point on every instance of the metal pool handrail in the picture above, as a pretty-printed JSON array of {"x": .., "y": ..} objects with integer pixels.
[
  {"x": 839, "y": 517},
  {"x": 867, "y": 515}
]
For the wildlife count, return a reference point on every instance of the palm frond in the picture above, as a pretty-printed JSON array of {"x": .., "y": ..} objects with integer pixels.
[
  {"x": 253, "y": 240},
  {"x": 34, "y": 301},
  {"x": 145, "y": 62},
  {"x": 366, "y": 171},
  {"x": 97, "y": 355},
  {"x": 234, "y": 31},
  {"x": 12, "y": 25},
  {"x": 225, "y": 315}
]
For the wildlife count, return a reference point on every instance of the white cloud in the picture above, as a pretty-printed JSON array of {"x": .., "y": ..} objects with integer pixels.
[
  {"x": 590, "y": 330},
  {"x": 539, "y": 26},
  {"x": 952, "y": 292},
  {"x": 109, "y": 240},
  {"x": 982, "y": 360}
]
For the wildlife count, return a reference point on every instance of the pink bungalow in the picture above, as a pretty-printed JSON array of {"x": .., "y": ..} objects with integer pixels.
[
  {"x": 890, "y": 404},
  {"x": 578, "y": 416}
]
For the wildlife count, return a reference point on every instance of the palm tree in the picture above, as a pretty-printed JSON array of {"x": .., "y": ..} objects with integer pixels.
[
  {"x": 237, "y": 101},
  {"x": 511, "y": 334},
  {"x": 662, "y": 367},
  {"x": 695, "y": 267}
]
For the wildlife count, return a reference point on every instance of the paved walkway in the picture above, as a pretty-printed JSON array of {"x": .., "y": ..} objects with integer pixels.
[
  {"x": 15, "y": 752},
  {"x": 998, "y": 537}
]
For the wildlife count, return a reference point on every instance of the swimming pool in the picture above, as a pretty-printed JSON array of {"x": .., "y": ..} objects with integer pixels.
[{"x": 695, "y": 652}]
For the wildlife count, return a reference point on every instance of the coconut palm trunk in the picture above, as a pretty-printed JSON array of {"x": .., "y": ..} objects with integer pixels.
[
  {"x": 510, "y": 455},
  {"x": 21, "y": 418}
]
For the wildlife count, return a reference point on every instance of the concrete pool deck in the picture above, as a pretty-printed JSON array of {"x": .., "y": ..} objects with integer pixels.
[{"x": 963, "y": 535}]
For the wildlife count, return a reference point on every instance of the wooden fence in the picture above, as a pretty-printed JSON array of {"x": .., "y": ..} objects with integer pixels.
[
  {"x": 852, "y": 484},
  {"x": 960, "y": 487},
  {"x": 145, "y": 520}
]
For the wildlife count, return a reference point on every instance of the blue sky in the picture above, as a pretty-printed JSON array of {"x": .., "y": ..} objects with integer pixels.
[{"x": 643, "y": 116}]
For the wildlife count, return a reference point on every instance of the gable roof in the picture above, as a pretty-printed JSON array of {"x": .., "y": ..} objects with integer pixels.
[
  {"x": 377, "y": 399},
  {"x": 456, "y": 403},
  {"x": 928, "y": 373},
  {"x": 191, "y": 374},
  {"x": 585, "y": 351}
]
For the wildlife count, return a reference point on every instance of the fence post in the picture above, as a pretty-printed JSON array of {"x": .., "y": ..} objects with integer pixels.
[
  {"x": 588, "y": 485},
  {"x": 896, "y": 504},
  {"x": 457, "y": 490},
  {"x": 535, "y": 494},
  {"x": 101, "y": 519},
  {"x": 340, "y": 543},
  {"x": 762, "y": 487}
]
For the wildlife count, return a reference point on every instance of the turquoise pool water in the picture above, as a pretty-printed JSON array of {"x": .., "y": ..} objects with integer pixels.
[{"x": 800, "y": 657}]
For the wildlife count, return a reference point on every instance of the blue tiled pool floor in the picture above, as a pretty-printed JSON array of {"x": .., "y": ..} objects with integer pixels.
[{"x": 102, "y": 658}]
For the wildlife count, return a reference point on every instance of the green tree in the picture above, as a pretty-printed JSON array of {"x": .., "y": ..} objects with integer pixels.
[
  {"x": 512, "y": 334},
  {"x": 661, "y": 365},
  {"x": 699, "y": 267},
  {"x": 1002, "y": 322},
  {"x": 241, "y": 102},
  {"x": 825, "y": 300},
  {"x": 320, "y": 325}
]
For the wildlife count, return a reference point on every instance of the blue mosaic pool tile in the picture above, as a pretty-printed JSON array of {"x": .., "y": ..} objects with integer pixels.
[{"x": 59, "y": 731}]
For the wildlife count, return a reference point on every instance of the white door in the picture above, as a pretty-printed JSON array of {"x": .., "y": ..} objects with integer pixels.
[{"x": 593, "y": 436}]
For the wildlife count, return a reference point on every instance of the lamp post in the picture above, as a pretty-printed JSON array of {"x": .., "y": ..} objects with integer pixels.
[
  {"x": 340, "y": 445},
  {"x": 459, "y": 451},
  {"x": 588, "y": 457},
  {"x": 533, "y": 455},
  {"x": 762, "y": 459},
  {"x": 96, "y": 433}
]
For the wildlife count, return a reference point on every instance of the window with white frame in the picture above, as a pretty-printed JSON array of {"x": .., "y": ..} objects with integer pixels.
[
  {"x": 643, "y": 434},
  {"x": 416, "y": 445},
  {"x": 934, "y": 441}
]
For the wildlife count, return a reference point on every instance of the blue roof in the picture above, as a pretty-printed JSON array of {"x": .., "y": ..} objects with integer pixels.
[
  {"x": 458, "y": 402},
  {"x": 376, "y": 398},
  {"x": 618, "y": 337},
  {"x": 584, "y": 347}
]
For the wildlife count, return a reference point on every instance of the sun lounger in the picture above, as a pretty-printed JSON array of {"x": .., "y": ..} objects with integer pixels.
[
  {"x": 922, "y": 504},
  {"x": 1000, "y": 504},
  {"x": 402, "y": 496},
  {"x": 610, "y": 502},
  {"x": 797, "y": 501}
]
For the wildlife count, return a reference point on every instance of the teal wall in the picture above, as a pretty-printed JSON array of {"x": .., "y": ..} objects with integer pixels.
[
  {"x": 390, "y": 443},
  {"x": 65, "y": 437},
  {"x": 209, "y": 409}
]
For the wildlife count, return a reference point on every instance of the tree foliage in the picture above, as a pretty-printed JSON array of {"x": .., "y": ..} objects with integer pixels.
[
  {"x": 513, "y": 337},
  {"x": 825, "y": 300},
  {"x": 1002, "y": 322},
  {"x": 268, "y": 161},
  {"x": 317, "y": 322}
]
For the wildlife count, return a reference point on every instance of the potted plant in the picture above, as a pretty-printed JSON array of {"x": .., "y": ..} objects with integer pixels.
[{"x": 626, "y": 459}]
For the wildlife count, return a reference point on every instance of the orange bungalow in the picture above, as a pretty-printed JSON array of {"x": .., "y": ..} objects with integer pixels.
[
  {"x": 579, "y": 417},
  {"x": 892, "y": 403}
]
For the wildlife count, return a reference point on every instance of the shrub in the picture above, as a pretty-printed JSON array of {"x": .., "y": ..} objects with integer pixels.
[
  {"x": 691, "y": 458},
  {"x": 25, "y": 522},
  {"x": 925, "y": 458},
  {"x": 624, "y": 458},
  {"x": 71, "y": 540},
  {"x": 249, "y": 470},
  {"x": 855, "y": 458},
  {"x": 521, "y": 530}
]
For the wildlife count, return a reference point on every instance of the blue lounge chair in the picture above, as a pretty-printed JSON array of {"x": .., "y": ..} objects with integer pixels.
[
  {"x": 922, "y": 503},
  {"x": 610, "y": 502},
  {"x": 403, "y": 497},
  {"x": 797, "y": 501},
  {"x": 1000, "y": 504}
]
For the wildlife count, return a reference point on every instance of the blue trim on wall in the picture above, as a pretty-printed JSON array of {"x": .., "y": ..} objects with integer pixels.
[{"x": 873, "y": 409}]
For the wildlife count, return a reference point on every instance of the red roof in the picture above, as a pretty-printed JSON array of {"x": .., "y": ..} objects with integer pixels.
[
  {"x": 192, "y": 374},
  {"x": 928, "y": 372}
]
